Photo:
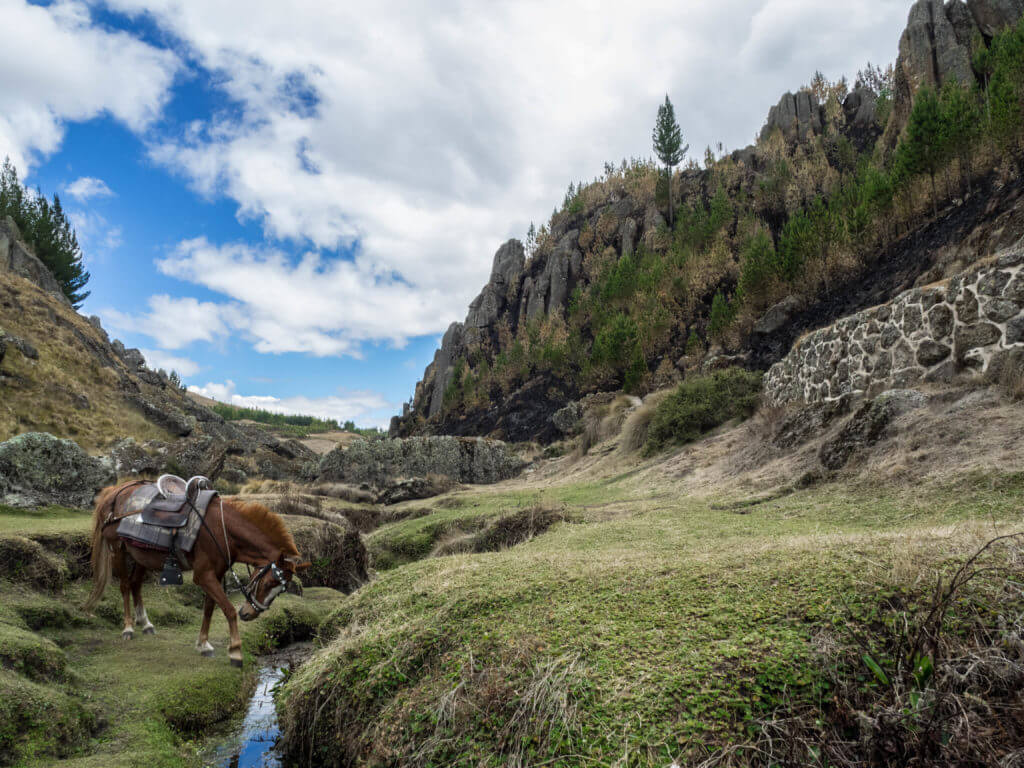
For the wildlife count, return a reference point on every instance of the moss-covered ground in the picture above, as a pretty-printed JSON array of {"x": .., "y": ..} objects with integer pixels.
[
  {"x": 73, "y": 693},
  {"x": 653, "y": 627}
]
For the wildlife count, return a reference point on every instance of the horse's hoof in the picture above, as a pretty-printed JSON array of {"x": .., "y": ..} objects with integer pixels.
[
  {"x": 207, "y": 654},
  {"x": 149, "y": 631},
  {"x": 236, "y": 662},
  {"x": 127, "y": 635}
]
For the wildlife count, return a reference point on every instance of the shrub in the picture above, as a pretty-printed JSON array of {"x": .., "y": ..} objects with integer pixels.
[{"x": 702, "y": 403}]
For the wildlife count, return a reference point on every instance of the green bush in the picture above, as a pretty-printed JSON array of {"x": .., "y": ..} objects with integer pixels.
[{"x": 702, "y": 403}]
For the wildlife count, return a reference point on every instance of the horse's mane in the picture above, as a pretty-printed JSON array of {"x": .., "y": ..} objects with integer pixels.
[{"x": 270, "y": 523}]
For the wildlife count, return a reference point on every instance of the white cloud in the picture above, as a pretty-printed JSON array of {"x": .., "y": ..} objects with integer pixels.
[
  {"x": 173, "y": 322},
  {"x": 363, "y": 407},
  {"x": 57, "y": 66},
  {"x": 158, "y": 359},
  {"x": 429, "y": 133},
  {"x": 86, "y": 187},
  {"x": 96, "y": 236}
]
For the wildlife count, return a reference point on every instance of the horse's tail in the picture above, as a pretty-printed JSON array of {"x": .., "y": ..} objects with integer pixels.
[{"x": 101, "y": 554}]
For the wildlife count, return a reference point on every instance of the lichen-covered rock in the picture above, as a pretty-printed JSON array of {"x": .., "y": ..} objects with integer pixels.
[
  {"x": 129, "y": 458},
  {"x": 197, "y": 456},
  {"x": 923, "y": 334},
  {"x": 37, "y": 469},
  {"x": 568, "y": 420},
  {"x": 381, "y": 462}
]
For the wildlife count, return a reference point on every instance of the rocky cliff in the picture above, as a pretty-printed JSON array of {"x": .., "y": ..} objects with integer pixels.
[{"x": 799, "y": 148}]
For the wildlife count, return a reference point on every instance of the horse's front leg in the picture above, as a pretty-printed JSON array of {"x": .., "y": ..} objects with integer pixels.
[
  {"x": 138, "y": 576},
  {"x": 203, "y": 643},
  {"x": 211, "y": 585}
]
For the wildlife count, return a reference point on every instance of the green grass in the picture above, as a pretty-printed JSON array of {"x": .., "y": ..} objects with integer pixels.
[
  {"x": 415, "y": 538},
  {"x": 72, "y": 693},
  {"x": 645, "y": 634}
]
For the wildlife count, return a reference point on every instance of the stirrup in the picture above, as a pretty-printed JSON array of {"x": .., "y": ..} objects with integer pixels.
[{"x": 170, "y": 576}]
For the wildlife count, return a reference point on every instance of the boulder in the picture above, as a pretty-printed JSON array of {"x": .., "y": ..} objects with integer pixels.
[
  {"x": 568, "y": 420},
  {"x": 415, "y": 488},
  {"x": 128, "y": 458},
  {"x": 777, "y": 316},
  {"x": 37, "y": 469},
  {"x": 162, "y": 414},
  {"x": 203, "y": 455},
  {"x": 18, "y": 259},
  {"x": 796, "y": 115}
]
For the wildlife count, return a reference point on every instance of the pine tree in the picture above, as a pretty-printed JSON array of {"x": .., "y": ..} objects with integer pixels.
[
  {"x": 922, "y": 149},
  {"x": 961, "y": 125},
  {"x": 45, "y": 227},
  {"x": 531, "y": 240},
  {"x": 668, "y": 144}
]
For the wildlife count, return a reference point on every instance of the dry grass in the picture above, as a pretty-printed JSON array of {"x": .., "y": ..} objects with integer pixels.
[
  {"x": 633, "y": 434},
  {"x": 45, "y": 394},
  {"x": 605, "y": 421},
  {"x": 344, "y": 492}
]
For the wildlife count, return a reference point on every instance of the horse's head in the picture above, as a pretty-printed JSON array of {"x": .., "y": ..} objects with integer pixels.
[{"x": 268, "y": 582}]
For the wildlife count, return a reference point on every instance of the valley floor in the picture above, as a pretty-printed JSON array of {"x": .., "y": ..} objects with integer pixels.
[{"x": 684, "y": 610}]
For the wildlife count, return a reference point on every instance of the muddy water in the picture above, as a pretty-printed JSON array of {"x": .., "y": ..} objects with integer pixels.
[{"x": 254, "y": 743}]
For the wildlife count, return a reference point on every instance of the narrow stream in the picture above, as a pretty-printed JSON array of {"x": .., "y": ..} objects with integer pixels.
[{"x": 254, "y": 745}]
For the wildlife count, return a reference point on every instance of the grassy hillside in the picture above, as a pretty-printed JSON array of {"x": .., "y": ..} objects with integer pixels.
[
  {"x": 76, "y": 386},
  {"x": 699, "y": 607}
]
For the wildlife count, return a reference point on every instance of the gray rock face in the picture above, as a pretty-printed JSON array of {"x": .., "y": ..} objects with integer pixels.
[
  {"x": 930, "y": 52},
  {"x": 859, "y": 107},
  {"x": 37, "y": 469},
  {"x": 777, "y": 316},
  {"x": 796, "y": 115},
  {"x": 993, "y": 15},
  {"x": 203, "y": 455},
  {"x": 921, "y": 334},
  {"x": 381, "y": 463},
  {"x": 18, "y": 259},
  {"x": 444, "y": 359}
]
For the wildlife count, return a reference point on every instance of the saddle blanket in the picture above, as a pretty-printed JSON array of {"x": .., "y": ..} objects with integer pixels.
[{"x": 146, "y": 536}]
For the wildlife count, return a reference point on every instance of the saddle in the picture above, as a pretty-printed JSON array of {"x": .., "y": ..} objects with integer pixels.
[{"x": 177, "y": 499}]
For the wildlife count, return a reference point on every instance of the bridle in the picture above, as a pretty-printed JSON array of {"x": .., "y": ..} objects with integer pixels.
[{"x": 249, "y": 590}]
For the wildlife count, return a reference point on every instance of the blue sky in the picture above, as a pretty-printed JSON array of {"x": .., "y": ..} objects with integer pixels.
[{"x": 290, "y": 203}]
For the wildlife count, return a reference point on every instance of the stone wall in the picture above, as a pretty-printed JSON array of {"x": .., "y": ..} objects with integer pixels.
[{"x": 971, "y": 324}]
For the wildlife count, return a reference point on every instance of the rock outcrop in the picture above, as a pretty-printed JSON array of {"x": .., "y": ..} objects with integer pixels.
[
  {"x": 971, "y": 324},
  {"x": 37, "y": 469},
  {"x": 937, "y": 47},
  {"x": 381, "y": 463},
  {"x": 797, "y": 115},
  {"x": 17, "y": 258}
]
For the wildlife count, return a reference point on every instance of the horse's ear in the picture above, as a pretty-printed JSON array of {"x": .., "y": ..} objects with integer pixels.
[{"x": 296, "y": 564}]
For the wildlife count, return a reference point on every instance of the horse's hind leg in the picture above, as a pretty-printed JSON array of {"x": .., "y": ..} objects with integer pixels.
[
  {"x": 138, "y": 576},
  {"x": 203, "y": 643},
  {"x": 124, "y": 572}
]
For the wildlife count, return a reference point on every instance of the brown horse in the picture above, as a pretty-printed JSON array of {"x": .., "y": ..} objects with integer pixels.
[{"x": 235, "y": 531}]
